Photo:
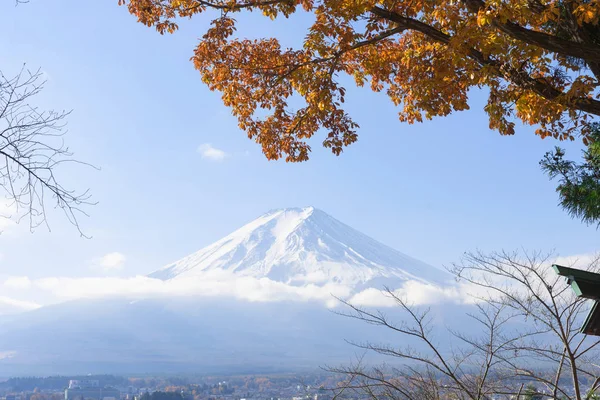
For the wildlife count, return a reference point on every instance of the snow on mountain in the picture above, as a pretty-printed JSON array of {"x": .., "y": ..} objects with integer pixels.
[{"x": 299, "y": 246}]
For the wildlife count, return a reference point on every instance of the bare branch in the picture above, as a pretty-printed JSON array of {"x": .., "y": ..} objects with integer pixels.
[
  {"x": 32, "y": 151},
  {"x": 494, "y": 358}
]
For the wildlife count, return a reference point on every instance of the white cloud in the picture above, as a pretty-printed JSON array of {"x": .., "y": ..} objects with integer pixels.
[
  {"x": 581, "y": 261},
  {"x": 242, "y": 288},
  {"x": 18, "y": 282},
  {"x": 226, "y": 284},
  {"x": 110, "y": 262},
  {"x": 10, "y": 306},
  {"x": 207, "y": 151},
  {"x": 415, "y": 293}
]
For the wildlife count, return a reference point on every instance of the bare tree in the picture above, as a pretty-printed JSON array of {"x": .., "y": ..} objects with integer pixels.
[
  {"x": 528, "y": 333},
  {"x": 31, "y": 151}
]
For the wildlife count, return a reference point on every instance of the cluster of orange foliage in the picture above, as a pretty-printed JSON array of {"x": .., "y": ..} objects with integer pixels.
[{"x": 539, "y": 60}]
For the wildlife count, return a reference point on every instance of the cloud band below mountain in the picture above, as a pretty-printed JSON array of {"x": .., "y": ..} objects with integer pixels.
[{"x": 224, "y": 284}]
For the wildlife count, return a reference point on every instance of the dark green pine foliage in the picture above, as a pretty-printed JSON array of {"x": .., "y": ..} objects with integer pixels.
[
  {"x": 579, "y": 183},
  {"x": 530, "y": 393}
]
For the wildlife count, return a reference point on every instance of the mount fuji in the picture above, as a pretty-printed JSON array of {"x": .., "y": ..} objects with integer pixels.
[
  {"x": 294, "y": 250},
  {"x": 299, "y": 246}
]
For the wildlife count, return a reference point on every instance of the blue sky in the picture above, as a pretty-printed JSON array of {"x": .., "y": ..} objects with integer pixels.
[{"x": 432, "y": 190}]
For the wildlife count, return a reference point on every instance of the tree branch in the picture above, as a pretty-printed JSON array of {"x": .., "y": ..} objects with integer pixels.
[
  {"x": 589, "y": 52},
  {"x": 520, "y": 78}
]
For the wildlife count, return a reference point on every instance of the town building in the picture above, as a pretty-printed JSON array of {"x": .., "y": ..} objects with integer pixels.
[{"x": 90, "y": 390}]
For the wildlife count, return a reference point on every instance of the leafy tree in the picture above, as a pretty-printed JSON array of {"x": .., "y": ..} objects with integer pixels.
[
  {"x": 538, "y": 59},
  {"x": 579, "y": 183}
]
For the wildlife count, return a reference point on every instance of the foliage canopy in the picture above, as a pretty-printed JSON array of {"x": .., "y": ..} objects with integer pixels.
[{"x": 539, "y": 60}]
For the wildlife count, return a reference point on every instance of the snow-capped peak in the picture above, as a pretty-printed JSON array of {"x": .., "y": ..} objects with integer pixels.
[{"x": 298, "y": 246}]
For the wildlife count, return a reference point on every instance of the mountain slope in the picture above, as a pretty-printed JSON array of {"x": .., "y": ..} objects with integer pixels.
[
  {"x": 299, "y": 246},
  {"x": 187, "y": 335}
]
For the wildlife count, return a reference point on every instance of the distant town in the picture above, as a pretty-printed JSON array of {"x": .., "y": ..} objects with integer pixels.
[
  {"x": 109, "y": 387},
  {"x": 316, "y": 386}
]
